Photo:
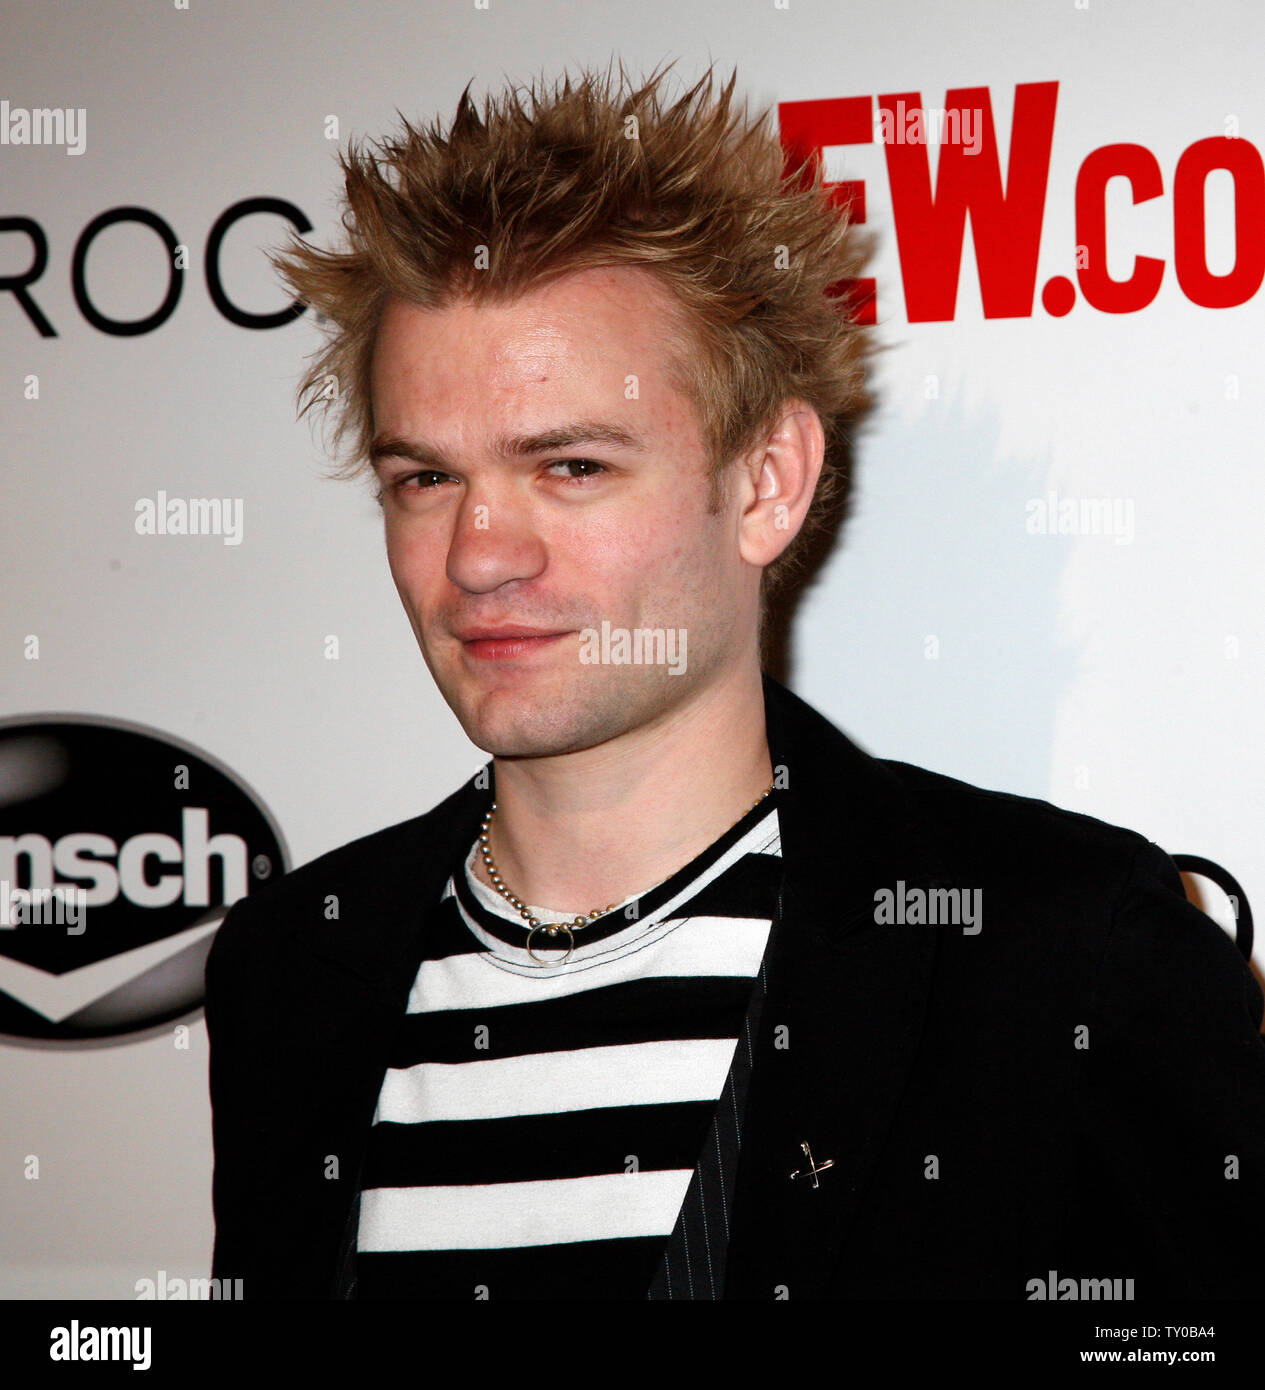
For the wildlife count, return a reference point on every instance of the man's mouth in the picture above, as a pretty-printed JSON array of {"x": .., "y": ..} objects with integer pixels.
[{"x": 505, "y": 643}]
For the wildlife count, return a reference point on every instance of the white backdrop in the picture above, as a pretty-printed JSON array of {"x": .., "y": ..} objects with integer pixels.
[{"x": 1119, "y": 679}]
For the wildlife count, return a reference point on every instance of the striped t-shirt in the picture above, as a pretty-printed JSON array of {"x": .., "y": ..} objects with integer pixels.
[{"x": 538, "y": 1124}]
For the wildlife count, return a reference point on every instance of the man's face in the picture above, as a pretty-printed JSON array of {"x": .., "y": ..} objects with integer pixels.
[{"x": 480, "y": 536}]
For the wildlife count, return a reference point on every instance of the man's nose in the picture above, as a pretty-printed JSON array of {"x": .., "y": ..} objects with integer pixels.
[{"x": 495, "y": 540}]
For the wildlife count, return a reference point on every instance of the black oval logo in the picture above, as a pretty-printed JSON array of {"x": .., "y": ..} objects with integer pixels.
[{"x": 121, "y": 849}]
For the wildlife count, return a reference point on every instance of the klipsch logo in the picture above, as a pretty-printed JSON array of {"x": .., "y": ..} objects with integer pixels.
[{"x": 120, "y": 852}]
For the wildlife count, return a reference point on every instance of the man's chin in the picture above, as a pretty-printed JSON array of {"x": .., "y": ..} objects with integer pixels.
[
  {"x": 525, "y": 743},
  {"x": 548, "y": 720},
  {"x": 553, "y": 711}
]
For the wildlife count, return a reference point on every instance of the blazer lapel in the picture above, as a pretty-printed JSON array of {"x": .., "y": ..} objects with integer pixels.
[{"x": 843, "y": 1016}]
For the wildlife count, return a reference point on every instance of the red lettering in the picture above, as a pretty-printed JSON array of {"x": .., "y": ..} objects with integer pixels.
[
  {"x": 1005, "y": 226},
  {"x": 1141, "y": 168},
  {"x": 1190, "y": 247},
  {"x": 806, "y": 128}
]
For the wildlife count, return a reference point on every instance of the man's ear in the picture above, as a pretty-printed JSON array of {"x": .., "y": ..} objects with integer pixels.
[{"x": 780, "y": 476}]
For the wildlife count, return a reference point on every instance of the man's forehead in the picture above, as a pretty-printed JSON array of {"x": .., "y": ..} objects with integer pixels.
[{"x": 552, "y": 352}]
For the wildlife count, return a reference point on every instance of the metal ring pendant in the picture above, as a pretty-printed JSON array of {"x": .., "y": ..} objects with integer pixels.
[{"x": 551, "y": 929}]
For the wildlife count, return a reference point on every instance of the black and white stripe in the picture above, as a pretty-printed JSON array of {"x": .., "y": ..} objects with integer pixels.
[{"x": 539, "y": 1124}]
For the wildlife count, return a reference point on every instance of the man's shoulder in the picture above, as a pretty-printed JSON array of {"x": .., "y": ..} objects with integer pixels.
[
  {"x": 986, "y": 833},
  {"x": 1046, "y": 878},
  {"x": 973, "y": 831}
]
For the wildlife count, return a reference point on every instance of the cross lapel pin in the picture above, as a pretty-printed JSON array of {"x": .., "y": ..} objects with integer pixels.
[{"x": 813, "y": 1167}]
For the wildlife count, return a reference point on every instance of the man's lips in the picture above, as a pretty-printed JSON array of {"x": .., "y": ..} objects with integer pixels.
[
  {"x": 494, "y": 644},
  {"x": 490, "y": 633}
]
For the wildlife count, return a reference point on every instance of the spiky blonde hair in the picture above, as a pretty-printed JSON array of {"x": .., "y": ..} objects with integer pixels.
[{"x": 594, "y": 174}]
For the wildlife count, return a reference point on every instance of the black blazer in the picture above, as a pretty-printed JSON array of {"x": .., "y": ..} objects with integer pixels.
[{"x": 1076, "y": 1091}]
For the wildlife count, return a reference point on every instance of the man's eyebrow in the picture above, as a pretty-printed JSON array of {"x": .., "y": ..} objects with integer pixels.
[{"x": 514, "y": 446}]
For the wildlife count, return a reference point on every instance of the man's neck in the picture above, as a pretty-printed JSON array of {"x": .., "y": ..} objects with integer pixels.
[{"x": 593, "y": 828}]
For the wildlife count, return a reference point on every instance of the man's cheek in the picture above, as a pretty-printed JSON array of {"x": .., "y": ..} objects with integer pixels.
[{"x": 405, "y": 561}]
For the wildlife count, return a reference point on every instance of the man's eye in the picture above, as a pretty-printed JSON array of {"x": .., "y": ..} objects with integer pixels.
[
  {"x": 422, "y": 482},
  {"x": 410, "y": 478},
  {"x": 580, "y": 463}
]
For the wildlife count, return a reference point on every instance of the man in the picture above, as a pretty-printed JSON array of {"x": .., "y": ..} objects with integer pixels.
[{"x": 684, "y": 996}]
